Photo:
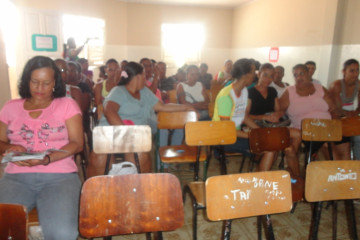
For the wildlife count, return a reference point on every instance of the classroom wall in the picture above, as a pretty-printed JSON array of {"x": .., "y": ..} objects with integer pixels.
[
  {"x": 144, "y": 31},
  {"x": 302, "y": 30},
  {"x": 284, "y": 23},
  {"x": 348, "y": 40},
  {"x": 324, "y": 31},
  {"x": 4, "y": 75},
  {"x": 112, "y": 11},
  {"x": 133, "y": 30}
]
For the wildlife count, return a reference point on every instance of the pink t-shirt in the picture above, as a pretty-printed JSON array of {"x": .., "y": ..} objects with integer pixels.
[
  {"x": 301, "y": 107},
  {"x": 45, "y": 132},
  {"x": 158, "y": 93}
]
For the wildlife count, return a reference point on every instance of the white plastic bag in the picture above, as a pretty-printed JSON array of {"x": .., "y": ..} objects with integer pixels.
[{"x": 123, "y": 168}]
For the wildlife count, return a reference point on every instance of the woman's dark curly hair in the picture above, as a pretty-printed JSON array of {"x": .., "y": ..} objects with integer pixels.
[
  {"x": 37, "y": 63},
  {"x": 132, "y": 69}
]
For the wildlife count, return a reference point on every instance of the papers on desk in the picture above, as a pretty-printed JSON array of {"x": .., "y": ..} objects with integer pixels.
[{"x": 20, "y": 156}]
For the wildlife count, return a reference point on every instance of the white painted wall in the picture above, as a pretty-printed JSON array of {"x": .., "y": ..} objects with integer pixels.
[
  {"x": 325, "y": 31},
  {"x": 214, "y": 57},
  {"x": 290, "y": 56},
  {"x": 4, "y": 76}
]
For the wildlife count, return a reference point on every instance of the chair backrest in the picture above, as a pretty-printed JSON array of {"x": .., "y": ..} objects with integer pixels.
[
  {"x": 207, "y": 133},
  {"x": 172, "y": 96},
  {"x": 211, "y": 109},
  {"x": 121, "y": 139},
  {"x": 175, "y": 120},
  {"x": 351, "y": 126},
  {"x": 138, "y": 203},
  {"x": 215, "y": 88},
  {"x": 208, "y": 93},
  {"x": 332, "y": 180},
  {"x": 269, "y": 139},
  {"x": 13, "y": 221},
  {"x": 248, "y": 194},
  {"x": 321, "y": 130}
]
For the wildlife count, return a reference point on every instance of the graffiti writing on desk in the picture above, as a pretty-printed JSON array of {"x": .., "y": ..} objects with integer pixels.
[
  {"x": 318, "y": 123},
  {"x": 242, "y": 195},
  {"x": 259, "y": 183},
  {"x": 306, "y": 133},
  {"x": 342, "y": 176},
  {"x": 271, "y": 189}
]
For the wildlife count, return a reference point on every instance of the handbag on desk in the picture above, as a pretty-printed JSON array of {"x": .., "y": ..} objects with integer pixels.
[
  {"x": 284, "y": 121},
  {"x": 123, "y": 168}
]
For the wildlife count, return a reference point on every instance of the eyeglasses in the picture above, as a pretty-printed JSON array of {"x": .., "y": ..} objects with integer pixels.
[{"x": 37, "y": 83}]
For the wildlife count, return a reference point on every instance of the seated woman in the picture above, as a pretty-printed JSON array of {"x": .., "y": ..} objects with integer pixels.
[
  {"x": 225, "y": 75},
  {"x": 43, "y": 119},
  {"x": 303, "y": 100},
  {"x": 204, "y": 76},
  {"x": 103, "y": 87},
  {"x": 102, "y": 74},
  {"x": 277, "y": 83},
  {"x": 263, "y": 101},
  {"x": 133, "y": 102},
  {"x": 230, "y": 104},
  {"x": 85, "y": 70},
  {"x": 71, "y": 91},
  {"x": 193, "y": 93},
  {"x": 74, "y": 79},
  {"x": 346, "y": 95},
  {"x": 263, "y": 104}
]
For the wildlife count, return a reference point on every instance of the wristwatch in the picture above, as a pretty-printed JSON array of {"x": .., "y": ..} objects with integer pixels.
[{"x": 49, "y": 160}]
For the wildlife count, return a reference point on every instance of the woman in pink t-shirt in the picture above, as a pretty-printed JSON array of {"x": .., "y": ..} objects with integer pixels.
[
  {"x": 43, "y": 119},
  {"x": 303, "y": 100}
]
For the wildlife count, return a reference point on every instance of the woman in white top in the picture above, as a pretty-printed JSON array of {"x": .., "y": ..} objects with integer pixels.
[
  {"x": 193, "y": 93},
  {"x": 277, "y": 83},
  {"x": 73, "y": 92}
]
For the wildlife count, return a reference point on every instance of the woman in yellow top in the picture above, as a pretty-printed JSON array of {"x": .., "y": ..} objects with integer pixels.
[{"x": 102, "y": 88}]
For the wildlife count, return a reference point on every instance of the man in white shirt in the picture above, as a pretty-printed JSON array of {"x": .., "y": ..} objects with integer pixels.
[{"x": 311, "y": 65}]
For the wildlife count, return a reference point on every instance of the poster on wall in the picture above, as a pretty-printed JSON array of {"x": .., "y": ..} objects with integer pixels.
[
  {"x": 47, "y": 43},
  {"x": 274, "y": 54}
]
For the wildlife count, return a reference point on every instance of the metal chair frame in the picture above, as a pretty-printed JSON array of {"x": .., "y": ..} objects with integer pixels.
[
  {"x": 323, "y": 184},
  {"x": 212, "y": 134},
  {"x": 240, "y": 195}
]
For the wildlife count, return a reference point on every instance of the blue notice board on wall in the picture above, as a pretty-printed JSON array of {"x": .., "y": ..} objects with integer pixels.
[{"x": 47, "y": 43}]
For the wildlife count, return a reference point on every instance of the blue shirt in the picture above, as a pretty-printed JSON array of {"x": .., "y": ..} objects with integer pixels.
[{"x": 138, "y": 111}]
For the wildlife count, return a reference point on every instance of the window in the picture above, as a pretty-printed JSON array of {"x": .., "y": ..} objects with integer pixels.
[
  {"x": 182, "y": 43},
  {"x": 82, "y": 28},
  {"x": 8, "y": 26}
]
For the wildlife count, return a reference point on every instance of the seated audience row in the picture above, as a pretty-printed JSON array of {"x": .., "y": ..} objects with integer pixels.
[
  {"x": 55, "y": 102},
  {"x": 130, "y": 103}
]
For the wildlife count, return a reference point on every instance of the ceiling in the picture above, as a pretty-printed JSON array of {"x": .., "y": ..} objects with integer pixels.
[{"x": 208, "y": 3}]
